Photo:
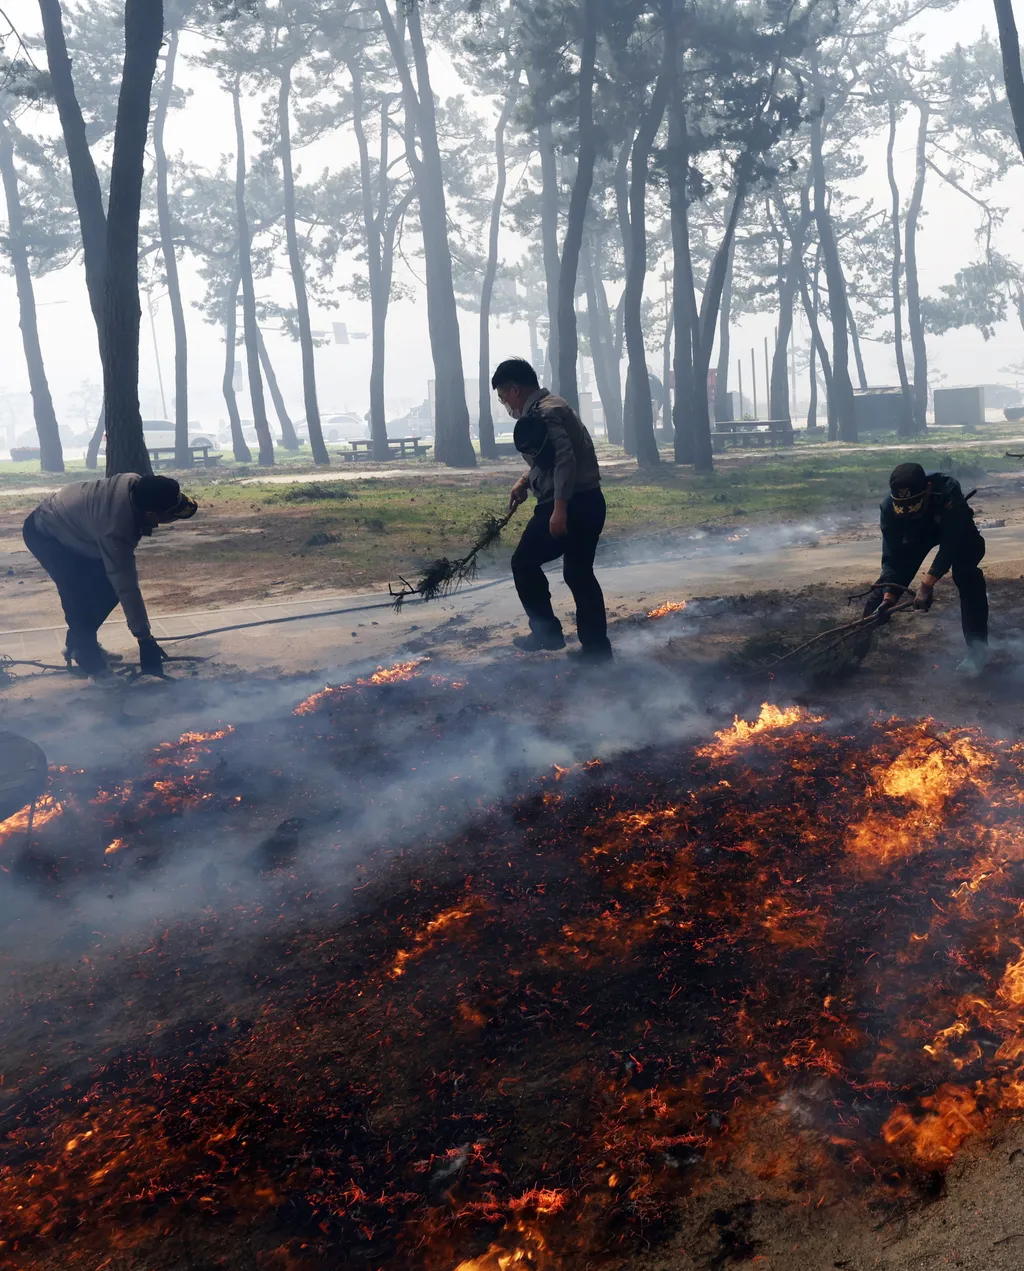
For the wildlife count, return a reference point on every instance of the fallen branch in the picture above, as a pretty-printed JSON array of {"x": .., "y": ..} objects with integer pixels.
[
  {"x": 445, "y": 576},
  {"x": 839, "y": 635}
]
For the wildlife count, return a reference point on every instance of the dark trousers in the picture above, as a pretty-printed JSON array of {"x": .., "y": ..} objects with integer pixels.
[
  {"x": 585, "y": 519},
  {"x": 86, "y": 593},
  {"x": 970, "y": 583}
]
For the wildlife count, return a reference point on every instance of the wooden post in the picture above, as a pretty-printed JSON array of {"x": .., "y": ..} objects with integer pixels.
[
  {"x": 753, "y": 376},
  {"x": 739, "y": 368}
]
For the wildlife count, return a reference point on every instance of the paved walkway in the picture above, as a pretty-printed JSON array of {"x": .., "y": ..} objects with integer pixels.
[{"x": 330, "y": 629}]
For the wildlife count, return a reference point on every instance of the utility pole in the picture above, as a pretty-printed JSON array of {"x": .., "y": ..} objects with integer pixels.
[
  {"x": 753, "y": 376},
  {"x": 739, "y": 368}
]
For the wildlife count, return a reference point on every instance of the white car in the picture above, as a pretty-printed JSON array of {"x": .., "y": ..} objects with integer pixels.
[
  {"x": 335, "y": 428},
  {"x": 160, "y": 433}
]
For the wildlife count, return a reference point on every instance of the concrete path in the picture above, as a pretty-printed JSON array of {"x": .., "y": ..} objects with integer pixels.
[{"x": 330, "y": 629}]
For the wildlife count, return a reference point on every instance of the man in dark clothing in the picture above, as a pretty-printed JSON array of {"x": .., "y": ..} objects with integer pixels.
[
  {"x": 920, "y": 512},
  {"x": 565, "y": 479},
  {"x": 85, "y": 535}
]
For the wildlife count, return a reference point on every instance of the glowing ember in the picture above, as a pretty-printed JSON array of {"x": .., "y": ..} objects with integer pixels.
[
  {"x": 440, "y": 925},
  {"x": 383, "y": 675},
  {"x": 792, "y": 957},
  {"x": 116, "y": 846},
  {"x": 670, "y": 606}
]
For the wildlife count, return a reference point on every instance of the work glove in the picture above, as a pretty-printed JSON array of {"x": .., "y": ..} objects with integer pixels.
[
  {"x": 883, "y": 613},
  {"x": 151, "y": 656},
  {"x": 925, "y": 596}
]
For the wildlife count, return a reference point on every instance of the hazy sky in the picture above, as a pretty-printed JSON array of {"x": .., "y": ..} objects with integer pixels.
[{"x": 203, "y": 131}]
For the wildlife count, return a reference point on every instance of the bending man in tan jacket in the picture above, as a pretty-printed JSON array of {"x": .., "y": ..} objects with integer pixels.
[{"x": 85, "y": 535}]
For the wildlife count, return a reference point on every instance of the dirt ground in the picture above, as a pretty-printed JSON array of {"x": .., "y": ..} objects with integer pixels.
[
  {"x": 701, "y": 662},
  {"x": 238, "y": 551}
]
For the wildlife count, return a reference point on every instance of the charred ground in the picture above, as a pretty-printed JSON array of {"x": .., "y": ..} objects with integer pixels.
[{"x": 560, "y": 1020}]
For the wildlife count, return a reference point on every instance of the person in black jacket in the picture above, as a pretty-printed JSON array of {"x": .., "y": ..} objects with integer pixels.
[
  {"x": 922, "y": 511},
  {"x": 565, "y": 479}
]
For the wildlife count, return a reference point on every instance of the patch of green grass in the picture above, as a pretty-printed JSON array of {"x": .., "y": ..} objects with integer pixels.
[{"x": 371, "y": 529}]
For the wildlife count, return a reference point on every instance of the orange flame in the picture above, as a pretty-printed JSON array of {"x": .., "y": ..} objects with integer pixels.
[
  {"x": 528, "y": 1249},
  {"x": 771, "y": 719},
  {"x": 47, "y": 808},
  {"x": 382, "y": 675},
  {"x": 670, "y": 606}
]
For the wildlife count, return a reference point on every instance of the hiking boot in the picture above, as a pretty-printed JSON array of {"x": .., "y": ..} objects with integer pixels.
[
  {"x": 591, "y": 655},
  {"x": 534, "y": 643},
  {"x": 70, "y": 657},
  {"x": 975, "y": 662}
]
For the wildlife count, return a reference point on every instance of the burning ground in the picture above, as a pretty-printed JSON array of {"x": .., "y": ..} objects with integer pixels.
[{"x": 374, "y": 1010}]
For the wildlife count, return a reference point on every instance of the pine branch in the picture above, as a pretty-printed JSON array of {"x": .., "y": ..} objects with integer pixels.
[{"x": 445, "y": 576}]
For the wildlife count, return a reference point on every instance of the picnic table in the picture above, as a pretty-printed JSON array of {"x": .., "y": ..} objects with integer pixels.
[
  {"x": 399, "y": 448},
  {"x": 779, "y": 432},
  {"x": 163, "y": 456}
]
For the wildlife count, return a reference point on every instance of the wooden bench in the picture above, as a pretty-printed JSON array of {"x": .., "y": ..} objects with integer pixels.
[
  {"x": 163, "y": 456},
  {"x": 361, "y": 449},
  {"x": 778, "y": 433}
]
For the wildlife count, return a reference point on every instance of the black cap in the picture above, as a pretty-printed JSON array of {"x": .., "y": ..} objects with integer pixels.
[
  {"x": 907, "y": 480},
  {"x": 162, "y": 495}
]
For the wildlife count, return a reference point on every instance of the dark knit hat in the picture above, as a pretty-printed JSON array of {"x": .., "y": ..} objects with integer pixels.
[
  {"x": 908, "y": 486},
  {"x": 162, "y": 495},
  {"x": 907, "y": 480}
]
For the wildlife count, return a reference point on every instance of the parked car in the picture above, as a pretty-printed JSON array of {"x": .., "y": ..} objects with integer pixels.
[
  {"x": 160, "y": 432},
  {"x": 336, "y": 427}
]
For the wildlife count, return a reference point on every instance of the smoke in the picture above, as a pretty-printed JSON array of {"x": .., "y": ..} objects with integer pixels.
[{"x": 353, "y": 782}]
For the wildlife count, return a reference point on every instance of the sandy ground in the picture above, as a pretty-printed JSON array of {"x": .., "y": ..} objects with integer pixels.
[{"x": 188, "y": 593}]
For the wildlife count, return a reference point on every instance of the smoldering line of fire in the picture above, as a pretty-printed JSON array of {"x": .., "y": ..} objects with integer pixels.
[
  {"x": 473, "y": 769},
  {"x": 639, "y": 706}
]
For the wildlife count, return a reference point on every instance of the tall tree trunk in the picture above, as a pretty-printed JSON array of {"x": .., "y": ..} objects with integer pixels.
[
  {"x": 316, "y": 436},
  {"x": 666, "y": 375},
  {"x": 85, "y": 182},
  {"x": 122, "y": 310},
  {"x": 182, "y": 453},
  {"x": 722, "y": 399},
  {"x": 858, "y": 352},
  {"x": 643, "y": 410},
  {"x": 906, "y": 424},
  {"x": 452, "y": 443},
  {"x": 841, "y": 405},
  {"x": 606, "y": 370},
  {"x": 51, "y": 456},
  {"x": 250, "y": 327},
  {"x": 568, "y": 346},
  {"x": 779, "y": 405},
  {"x": 486, "y": 424},
  {"x": 276, "y": 396},
  {"x": 373, "y": 217},
  {"x": 685, "y": 316},
  {"x": 812, "y": 310},
  {"x": 812, "y": 394},
  {"x": 915, "y": 321},
  {"x": 93, "y": 450},
  {"x": 549, "y": 237},
  {"x": 1009, "y": 44},
  {"x": 621, "y": 188},
  {"x": 239, "y": 446}
]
